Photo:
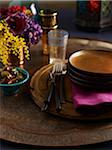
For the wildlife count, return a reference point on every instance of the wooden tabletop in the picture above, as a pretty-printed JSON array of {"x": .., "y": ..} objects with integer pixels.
[{"x": 21, "y": 120}]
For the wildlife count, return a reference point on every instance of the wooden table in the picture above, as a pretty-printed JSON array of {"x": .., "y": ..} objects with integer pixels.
[{"x": 21, "y": 120}]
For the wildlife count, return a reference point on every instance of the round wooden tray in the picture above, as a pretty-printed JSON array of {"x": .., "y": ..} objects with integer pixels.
[{"x": 40, "y": 88}]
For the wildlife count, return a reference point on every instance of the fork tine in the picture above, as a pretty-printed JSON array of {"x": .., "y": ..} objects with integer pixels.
[
  {"x": 53, "y": 69},
  {"x": 59, "y": 67}
]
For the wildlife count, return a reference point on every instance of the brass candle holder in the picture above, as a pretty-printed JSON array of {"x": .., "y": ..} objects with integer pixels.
[{"x": 48, "y": 18}]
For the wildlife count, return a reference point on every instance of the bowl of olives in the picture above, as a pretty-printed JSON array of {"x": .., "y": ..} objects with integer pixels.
[{"x": 12, "y": 78}]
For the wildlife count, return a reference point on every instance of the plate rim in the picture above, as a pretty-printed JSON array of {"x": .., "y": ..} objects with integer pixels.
[{"x": 84, "y": 71}]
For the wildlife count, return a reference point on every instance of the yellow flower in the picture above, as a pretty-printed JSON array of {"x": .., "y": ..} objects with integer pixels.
[
  {"x": 11, "y": 44},
  {"x": 28, "y": 12}
]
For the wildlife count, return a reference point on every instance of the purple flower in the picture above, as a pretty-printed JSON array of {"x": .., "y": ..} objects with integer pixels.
[
  {"x": 17, "y": 22},
  {"x": 23, "y": 25}
]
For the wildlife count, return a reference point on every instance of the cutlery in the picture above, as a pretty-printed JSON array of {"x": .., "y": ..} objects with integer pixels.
[
  {"x": 59, "y": 69},
  {"x": 64, "y": 71},
  {"x": 57, "y": 99},
  {"x": 51, "y": 90}
]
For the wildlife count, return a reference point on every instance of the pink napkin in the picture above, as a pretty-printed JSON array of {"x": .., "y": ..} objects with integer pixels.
[{"x": 85, "y": 98}]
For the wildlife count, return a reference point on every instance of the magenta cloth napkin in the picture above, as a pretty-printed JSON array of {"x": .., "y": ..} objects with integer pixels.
[{"x": 89, "y": 98}]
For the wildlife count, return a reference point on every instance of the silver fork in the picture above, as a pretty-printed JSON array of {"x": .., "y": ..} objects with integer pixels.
[
  {"x": 60, "y": 70},
  {"x": 57, "y": 70},
  {"x": 52, "y": 86}
]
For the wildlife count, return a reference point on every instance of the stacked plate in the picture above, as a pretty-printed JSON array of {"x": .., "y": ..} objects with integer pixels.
[{"x": 91, "y": 68}]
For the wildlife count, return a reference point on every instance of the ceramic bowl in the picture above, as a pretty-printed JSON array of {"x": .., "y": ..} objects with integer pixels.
[
  {"x": 10, "y": 89},
  {"x": 96, "y": 63}
]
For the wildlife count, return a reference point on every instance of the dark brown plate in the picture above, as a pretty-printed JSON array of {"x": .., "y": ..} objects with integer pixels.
[
  {"x": 40, "y": 87},
  {"x": 89, "y": 77},
  {"x": 99, "y": 85},
  {"x": 92, "y": 62}
]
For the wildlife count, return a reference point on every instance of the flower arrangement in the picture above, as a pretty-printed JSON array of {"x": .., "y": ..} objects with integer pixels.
[
  {"x": 17, "y": 32},
  {"x": 10, "y": 44}
]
